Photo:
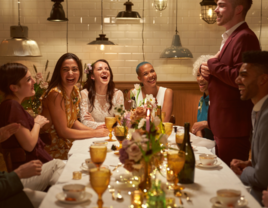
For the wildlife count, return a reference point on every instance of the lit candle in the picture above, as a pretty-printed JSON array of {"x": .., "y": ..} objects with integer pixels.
[
  {"x": 148, "y": 120},
  {"x": 145, "y": 103}
]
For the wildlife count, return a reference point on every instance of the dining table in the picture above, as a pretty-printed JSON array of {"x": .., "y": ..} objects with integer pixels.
[{"x": 206, "y": 182}]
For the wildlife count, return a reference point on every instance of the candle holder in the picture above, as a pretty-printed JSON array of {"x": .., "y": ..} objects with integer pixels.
[
  {"x": 77, "y": 175},
  {"x": 137, "y": 199}
]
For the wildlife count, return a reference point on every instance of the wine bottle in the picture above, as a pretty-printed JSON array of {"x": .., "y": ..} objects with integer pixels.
[{"x": 186, "y": 175}]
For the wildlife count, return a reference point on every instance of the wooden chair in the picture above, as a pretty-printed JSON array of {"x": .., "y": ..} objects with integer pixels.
[
  {"x": 172, "y": 119},
  {"x": 12, "y": 156}
]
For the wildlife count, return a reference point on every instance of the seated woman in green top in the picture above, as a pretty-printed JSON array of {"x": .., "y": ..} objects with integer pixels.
[{"x": 200, "y": 128}]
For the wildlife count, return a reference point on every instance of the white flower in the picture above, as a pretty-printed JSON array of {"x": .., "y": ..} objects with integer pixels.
[
  {"x": 142, "y": 122},
  {"x": 136, "y": 137},
  {"x": 150, "y": 98},
  {"x": 156, "y": 120},
  {"x": 137, "y": 86},
  {"x": 44, "y": 85},
  {"x": 134, "y": 92}
]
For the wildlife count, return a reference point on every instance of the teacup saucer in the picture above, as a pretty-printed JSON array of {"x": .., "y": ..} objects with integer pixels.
[
  {"x": 200, "y": 165},
  {"x": 61, "y": 198},
  {"x": 216, "y": 203},
  {"x": 84, "y": 167}
]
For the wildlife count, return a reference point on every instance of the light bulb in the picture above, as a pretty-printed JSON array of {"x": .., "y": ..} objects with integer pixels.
[
  {"x": 102, "y": 47},
  {"x": 210, "y": 12},
  {"x": 160, "y": 5}
]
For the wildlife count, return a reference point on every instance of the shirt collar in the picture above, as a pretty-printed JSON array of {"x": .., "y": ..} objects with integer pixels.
[
  {"x": 258, "y": 105},
  {"x": 227, "y": 33}
]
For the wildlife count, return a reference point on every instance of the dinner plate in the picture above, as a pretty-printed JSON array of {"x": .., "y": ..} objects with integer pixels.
[
  {"x": 200, "y": 165},
  {"x": 61, "y": 198},
  {"x": 216, "y": 203}
]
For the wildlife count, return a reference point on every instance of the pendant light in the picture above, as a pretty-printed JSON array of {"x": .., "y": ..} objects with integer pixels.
[
  {"x": 57, "y": 13},
  {"x": 176, "y": 50},
  {"x": 128, "y": 14},
  {"x": 207, "y": 11},
  {"x": 102, "y": 40},
  {"x": 19, "y": 44},
  {"x": 160, "y": 5}
]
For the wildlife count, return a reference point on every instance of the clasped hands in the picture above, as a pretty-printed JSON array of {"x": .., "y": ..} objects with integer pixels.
[{"x": 205, "y": 72}]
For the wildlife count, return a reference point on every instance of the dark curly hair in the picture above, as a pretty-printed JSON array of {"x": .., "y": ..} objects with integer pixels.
[
  {"x": 11, "y": 74},
  {"x": 90, "y": 86}
]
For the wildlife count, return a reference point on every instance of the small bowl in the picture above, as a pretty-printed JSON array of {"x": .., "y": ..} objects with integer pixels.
[
  {"x": 228, "y": 197},
  {"x": 74, "y": 191},
  {"x": 208, "y": 159}
]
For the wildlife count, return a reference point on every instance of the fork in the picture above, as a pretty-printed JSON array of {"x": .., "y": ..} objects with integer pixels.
[
  {"x": 187, "y": 197},
  {"x": 112, "y": 190}
]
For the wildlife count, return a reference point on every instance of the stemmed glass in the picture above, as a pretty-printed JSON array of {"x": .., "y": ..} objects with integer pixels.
[
  {"x": 120, "y": 134},
  {"x": 109, "y": 122},
  {"x": 168, "y": 128},
  {"x": 176, "y": 160},
  {"x": 99, "y": 180},
  {"x": 98, "y": 154}
]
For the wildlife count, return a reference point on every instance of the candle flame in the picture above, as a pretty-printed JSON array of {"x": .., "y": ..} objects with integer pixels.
[{"x": 148, "y": 112}]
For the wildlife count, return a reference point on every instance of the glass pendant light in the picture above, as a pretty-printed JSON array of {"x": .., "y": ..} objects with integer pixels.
[
  {"x": 102, "y": 40},
  {"x": 160, "y": 5},
  {"x": 128, "y": 14},
  {"x": 19, "y": 44},
  {"x": 207, "y": 11},
  {"x": 176, "y": 51},
  {"x": 57, "y": 13}
]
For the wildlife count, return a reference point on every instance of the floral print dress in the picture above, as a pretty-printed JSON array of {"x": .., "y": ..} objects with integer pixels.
[{"x": 60, "y": 147}]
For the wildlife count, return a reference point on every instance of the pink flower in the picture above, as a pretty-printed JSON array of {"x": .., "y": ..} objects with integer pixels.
[
  {"x": 44, "y": 85},
  {"x": 39, "y": 75},
  {"x": 134, "y": 152},
  {"x": 88, "y": 68}
]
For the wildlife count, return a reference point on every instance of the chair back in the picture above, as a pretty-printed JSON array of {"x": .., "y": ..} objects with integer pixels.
[{"x": 172, "y": 119}]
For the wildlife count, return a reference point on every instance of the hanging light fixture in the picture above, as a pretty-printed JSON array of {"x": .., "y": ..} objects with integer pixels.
[
  {"x": 160, "y": 5},
  {"x": 176, "y": 50},
  {"x": 19, "y": 44},
  {"x": 128, "y": 14},
  {"x": 207, "y": 11},
  {"x": 57, "y": 13},
  {"x": 102, "y": 40}
]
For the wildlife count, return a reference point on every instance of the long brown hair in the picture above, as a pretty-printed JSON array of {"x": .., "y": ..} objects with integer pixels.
[
  {"x": 56, "y": 77},
  {"x": 90, "y": 86}
]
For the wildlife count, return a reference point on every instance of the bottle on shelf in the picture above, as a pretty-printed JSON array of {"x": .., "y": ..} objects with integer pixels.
[{"x": 186, "y": 176}]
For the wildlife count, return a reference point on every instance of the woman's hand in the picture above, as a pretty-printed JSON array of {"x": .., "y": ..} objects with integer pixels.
[
  {"x": 8, "y": 131},
  {"x": 199, "y": 126},
  {"x": 88, "y": 117},
  {"x": 102, "y": 126},
  {"x": 238, "y": 166},
  {"x": 101, "y": 132},
  {"x": 29, "y": 169},
  {"x": 41, "y": 120}
]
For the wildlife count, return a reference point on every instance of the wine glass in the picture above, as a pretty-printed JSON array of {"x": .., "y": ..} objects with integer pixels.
[
  {"x": 109, "y": 122},
  {"x": 99, "y": 180},
  {"x": 98, "y": 154},
  {"x": 175, "y": 162},
  {"x": 168, "y": 128},
  {"x": 120, "y": 133},
  {"x": 179, "y": 138}
]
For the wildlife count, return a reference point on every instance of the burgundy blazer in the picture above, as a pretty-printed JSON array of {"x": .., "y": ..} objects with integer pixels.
[{"x": 228, "y": 115}]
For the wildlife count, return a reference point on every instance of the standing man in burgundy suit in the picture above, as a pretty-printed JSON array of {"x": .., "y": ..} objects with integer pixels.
[{"x": 229, "y": 118}]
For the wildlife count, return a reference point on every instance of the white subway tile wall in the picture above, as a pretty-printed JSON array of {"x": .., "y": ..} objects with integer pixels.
[{"x": 159, "y": 28}]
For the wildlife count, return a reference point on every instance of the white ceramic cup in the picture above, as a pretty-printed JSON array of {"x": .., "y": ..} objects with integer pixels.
[
  {"x": 228, "y": 197},
  {"x": 89, "y": 163},
  {"x": 75, "y": 191},
  {"x": 208, "y": 159}
]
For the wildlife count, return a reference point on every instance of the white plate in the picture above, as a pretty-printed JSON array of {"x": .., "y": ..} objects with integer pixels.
[
  {"x": 200, "y": 165},
  {"x": 240, "y": 203},
  {"x": 61, "y": 198}
]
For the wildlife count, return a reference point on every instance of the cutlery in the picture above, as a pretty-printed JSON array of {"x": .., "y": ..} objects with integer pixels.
[
  {"x": 187, "y": 197},
  {"x": 111, "y": 190},
  {"x": 119, "y": 196},
  {"x": 178, "y": 194}
]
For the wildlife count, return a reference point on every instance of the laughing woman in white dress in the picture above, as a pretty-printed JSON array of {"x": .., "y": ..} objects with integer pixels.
[
  {"x": 148, "y": 77},
  {"x": 99, "y": 95}
]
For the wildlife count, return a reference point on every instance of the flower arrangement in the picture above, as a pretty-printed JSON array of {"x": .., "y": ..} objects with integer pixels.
[
  {"x": 40, "y": 86},
  {"x": 88, "y": 68}
]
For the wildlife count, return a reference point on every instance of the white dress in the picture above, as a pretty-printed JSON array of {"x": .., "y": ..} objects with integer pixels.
[
  {"x": 100, "y": 110},
  {"x": 160, "y": 97}
]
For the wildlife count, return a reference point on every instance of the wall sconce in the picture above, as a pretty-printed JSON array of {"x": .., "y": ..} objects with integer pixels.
[
  {"x": 160, "y": 5},
  {"x": 207, "y": 11},
  {"x": 57, "y": 13},
  {"x": 128, "y": 14}
]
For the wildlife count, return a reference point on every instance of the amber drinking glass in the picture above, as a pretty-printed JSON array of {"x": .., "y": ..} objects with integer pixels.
[
  {"x": 176, "y": 160},
  {"x": 99, "y": 181},
  {"x": 179, "y": 138},
  {"x": 98, "y": 154},
  {"x": 168, "y": 128},
  {"x": 109, "y": 122},
  {"x": 120, "y": 133}
]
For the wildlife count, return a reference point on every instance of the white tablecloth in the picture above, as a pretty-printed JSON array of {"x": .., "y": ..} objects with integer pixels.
[{"x": 207, "y": 181}]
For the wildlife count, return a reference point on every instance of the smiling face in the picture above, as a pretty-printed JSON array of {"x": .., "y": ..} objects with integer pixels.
[
  {"x": 248, "y": 81},
  {"x": 147, "y": 75},
  {"x": 101, "y": 73},
  {"x": 25, "y": 87},
  {"x": 225, "y": 13},
  {"x": 203, "y": 84},
  {"x": 69, "y": 72}
]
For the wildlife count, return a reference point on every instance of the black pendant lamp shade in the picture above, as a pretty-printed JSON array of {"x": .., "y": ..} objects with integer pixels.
[
  {"x": 57, "y": 13},
  {"x": 207, "y": 11},
  {"x": 128, "y": 14},
  {"x": 102, "y": 40}
]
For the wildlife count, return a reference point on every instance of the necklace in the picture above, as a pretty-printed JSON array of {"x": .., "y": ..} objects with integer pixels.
[{"x": 100, "y": 95}]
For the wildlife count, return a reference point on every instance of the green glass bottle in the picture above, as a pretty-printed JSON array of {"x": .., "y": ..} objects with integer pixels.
[
  {"x": 161, "y": 125},
  {"x": 186, "y": 176}
]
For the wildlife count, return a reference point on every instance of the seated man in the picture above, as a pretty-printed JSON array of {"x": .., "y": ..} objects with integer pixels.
[{"x": 253, "y": 84}]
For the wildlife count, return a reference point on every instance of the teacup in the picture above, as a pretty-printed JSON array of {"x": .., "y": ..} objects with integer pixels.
[
  {"x": 101, "y": 143},
  {"x": 228, "y": 197},
  {"x": 208, "y": 159},
  {"x": 74, "y": 191},
  {"x": 89, "y": 163}
]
